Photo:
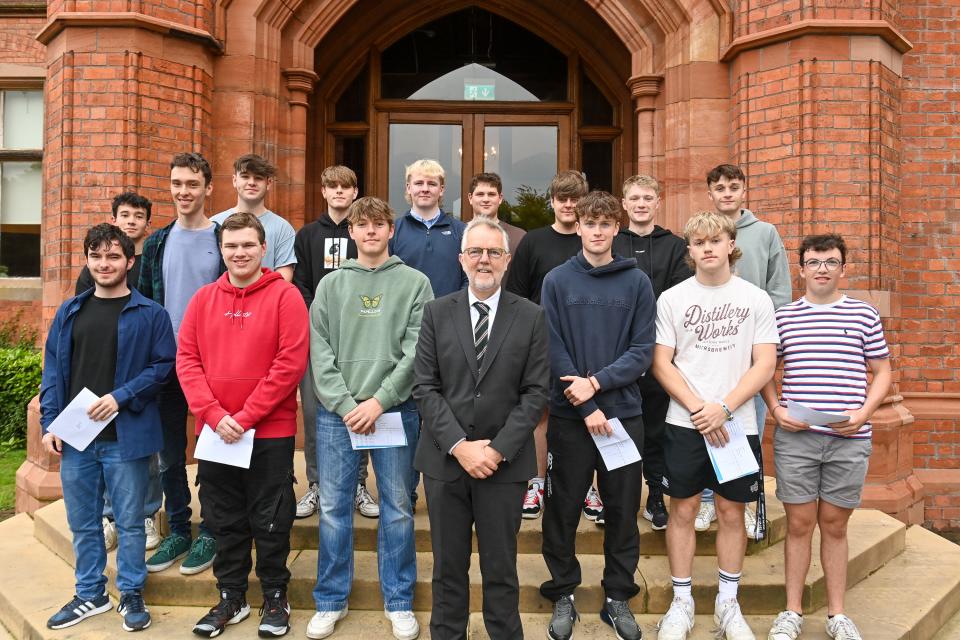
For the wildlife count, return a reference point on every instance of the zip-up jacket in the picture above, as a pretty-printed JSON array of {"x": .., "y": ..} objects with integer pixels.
[
  {"x": 602, "y": 323},
  {"x": 434, "y": 252},
  {"x": 145, "y": 357},
  {"x": 242, "y": 353}
]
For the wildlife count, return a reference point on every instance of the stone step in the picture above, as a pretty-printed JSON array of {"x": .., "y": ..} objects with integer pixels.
[
  {"x": 589, "y": 535},
  {"x": 875, "y": 539},
  {"x": 907, "y": 599},
  {"x": 951, "y": 630}
]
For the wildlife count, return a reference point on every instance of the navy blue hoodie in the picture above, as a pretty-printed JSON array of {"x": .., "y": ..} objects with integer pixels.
[{"x": 602, "y": 323}]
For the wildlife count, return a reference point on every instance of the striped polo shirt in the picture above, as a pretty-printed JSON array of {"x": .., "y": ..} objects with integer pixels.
[{"x": 825, "y": 349}]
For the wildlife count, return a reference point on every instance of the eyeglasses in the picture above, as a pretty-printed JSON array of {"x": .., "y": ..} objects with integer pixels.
[
  {"x": 832, "y": 264},
  {"x": 474, "y": 253}
]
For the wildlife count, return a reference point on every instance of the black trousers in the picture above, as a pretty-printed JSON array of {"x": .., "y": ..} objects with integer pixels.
[
  {"x": 241, "y": 506},
  {"x": 571, "y": 462},
  {"x": 655, "y": 405},
  {"x": 495, "y": 508}
]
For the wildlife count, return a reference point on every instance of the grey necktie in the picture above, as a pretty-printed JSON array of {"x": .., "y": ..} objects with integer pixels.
[{"x": 481, "y": 331}]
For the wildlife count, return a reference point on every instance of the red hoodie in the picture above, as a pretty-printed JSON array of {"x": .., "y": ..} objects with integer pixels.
[{"x": 242, "y": 353}]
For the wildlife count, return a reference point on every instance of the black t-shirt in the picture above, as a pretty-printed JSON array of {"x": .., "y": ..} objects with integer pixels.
[
  {"x": 540, "y": 251},
  {"x": 93, "y": 359}
]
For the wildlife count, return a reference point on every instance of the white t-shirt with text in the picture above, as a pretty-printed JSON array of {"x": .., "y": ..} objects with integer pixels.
[{"x": 712, "y": 330}]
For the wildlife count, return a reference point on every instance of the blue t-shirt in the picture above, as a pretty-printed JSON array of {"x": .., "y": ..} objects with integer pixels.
[
  {"x": 191, "y": 259},
  {"x": 280, "y": 236}
]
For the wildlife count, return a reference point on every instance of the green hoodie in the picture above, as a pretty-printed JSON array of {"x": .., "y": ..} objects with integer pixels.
[{"x": 364, "y": 325}]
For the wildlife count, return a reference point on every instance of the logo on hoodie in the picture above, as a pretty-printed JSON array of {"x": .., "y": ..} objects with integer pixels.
[{"x": 371, "y": 305}]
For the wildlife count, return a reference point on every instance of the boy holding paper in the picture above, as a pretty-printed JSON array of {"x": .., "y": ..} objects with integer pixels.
[
  {"x": 600, "y": 315},
  {"x": 716, "y": 347},
  {"x": 828, "y": 343},
  {"x": 242, "y": 351},
  {"x": 118, "y": 344},
  {"x": 364, "y": 324}
]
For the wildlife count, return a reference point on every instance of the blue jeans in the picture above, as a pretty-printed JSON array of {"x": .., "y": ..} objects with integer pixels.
[
  {"x": 761, "y": 408},
  {"x": 396, "y": 552},
  {"x": 154, "y": 497},
  {"x": 86, "y": 476}
]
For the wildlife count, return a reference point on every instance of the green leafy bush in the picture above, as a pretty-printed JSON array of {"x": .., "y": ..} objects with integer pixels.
[
  {"x": 531, "y": 211},
  {"x": 20, "y": 376}
]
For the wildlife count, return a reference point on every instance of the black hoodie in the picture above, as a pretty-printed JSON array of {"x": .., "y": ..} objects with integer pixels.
[
  {"x": 661, "y": 255},
  {"x": 318, "y": 247}
]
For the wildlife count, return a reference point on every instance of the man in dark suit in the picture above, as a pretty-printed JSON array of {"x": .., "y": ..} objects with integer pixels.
[{"x": 481, "y": 375}]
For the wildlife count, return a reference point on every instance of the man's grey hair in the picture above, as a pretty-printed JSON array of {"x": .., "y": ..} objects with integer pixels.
[{"x": 491, "y": 223}]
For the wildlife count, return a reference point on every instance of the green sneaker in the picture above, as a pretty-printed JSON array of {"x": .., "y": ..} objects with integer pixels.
[
  {"x": 170, "y": 550},
  {"x": 202, "y": 553}
]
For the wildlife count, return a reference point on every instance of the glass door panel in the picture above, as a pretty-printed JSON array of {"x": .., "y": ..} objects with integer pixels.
[
  {"x": 411, "y": 142},
  {"x": 523, "y": 156}
]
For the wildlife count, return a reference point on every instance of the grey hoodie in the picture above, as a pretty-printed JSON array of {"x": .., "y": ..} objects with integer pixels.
[{"x": 764, "y": 260}]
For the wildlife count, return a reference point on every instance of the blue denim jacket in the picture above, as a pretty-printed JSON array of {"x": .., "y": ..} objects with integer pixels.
[{"x": 146, "y": 352}]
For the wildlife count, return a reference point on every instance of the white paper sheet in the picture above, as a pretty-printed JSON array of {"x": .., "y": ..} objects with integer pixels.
[
  {"x": 388, "y": 432},
  {"x": 617, "y": 449},
  {"x": 735, "y": 459},
  {"x": 212, "y": 448},
  {"x": 74, "y": 426},
  {"x": 812, "y": 416}
]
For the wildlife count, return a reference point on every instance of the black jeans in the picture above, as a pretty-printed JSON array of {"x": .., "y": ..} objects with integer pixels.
[
  {"x": 572, "y": 460},
  {"x": 241, "y": 506},
  {"x": 655, "y": 405}
]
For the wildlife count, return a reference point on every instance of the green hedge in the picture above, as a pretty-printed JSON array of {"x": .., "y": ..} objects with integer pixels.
[{"x": 19, "y": 382}]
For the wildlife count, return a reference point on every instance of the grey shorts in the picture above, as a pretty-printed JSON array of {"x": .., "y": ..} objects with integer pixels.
[{"x": 813, "y": 465}]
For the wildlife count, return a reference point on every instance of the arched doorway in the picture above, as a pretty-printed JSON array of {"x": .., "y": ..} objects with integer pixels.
[{"x": 477, "y": 86}]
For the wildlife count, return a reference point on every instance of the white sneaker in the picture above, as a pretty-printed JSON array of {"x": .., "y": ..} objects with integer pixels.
[
  {"x": 109, "y": 533},
  {"x": 706, "y": 515},
  {"x": 153, "y": 536},
  {"x": 730, "y": 622},
  {"x": 322, "y": 623},
  {"x": 366, "y": 505},
  {"x": 405, "y": 625},
  {"x": 840, "y": 627},
  {"x": 750, "y": 523},
  {"x": 592, "y": 504},
  {"x": 307, "y": 505},
  {"x": 787, "y": 626},
  {"x": 677, "y": 622}
]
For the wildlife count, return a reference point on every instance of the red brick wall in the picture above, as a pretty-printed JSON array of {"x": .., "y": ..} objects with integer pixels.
[
  {"x": 17, "y": 42},
  {"x": 931, "y": 225},
  {"x": 114, "y": 120}
]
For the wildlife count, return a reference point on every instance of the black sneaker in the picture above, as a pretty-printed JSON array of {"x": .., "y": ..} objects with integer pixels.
[
  {"x": 78, "y": 609},
  {"x": 617, "y": 614},
  {"x": 274, "y": 615},
  {"x": 231, "y": 609},
  {"x": 656, "y": 512},
  {"x": 564, "y": 617},
  {"x": 134, "y": 611}
]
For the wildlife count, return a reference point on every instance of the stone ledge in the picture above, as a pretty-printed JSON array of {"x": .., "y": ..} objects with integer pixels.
[
  {"x": 880, "y": 28},
  {"x": 62, "y": 20}
]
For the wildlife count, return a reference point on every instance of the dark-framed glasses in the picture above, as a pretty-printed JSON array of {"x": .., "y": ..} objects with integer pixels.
[{"x": 832, "y": 264}]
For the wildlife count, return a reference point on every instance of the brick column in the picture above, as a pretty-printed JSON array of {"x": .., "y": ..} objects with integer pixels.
[
  {"x": 816, "y": 127},
  {"x": 124, "y": 92},
  {"x": 300, "y": 84},
  {"x": 644, "y": 90}
]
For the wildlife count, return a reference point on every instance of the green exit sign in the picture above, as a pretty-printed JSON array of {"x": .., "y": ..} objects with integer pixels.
[{"x": 473, "y": 91}]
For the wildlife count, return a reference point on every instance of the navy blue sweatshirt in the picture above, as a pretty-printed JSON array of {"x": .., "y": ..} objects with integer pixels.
[{"x": 602, "y": 323}]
